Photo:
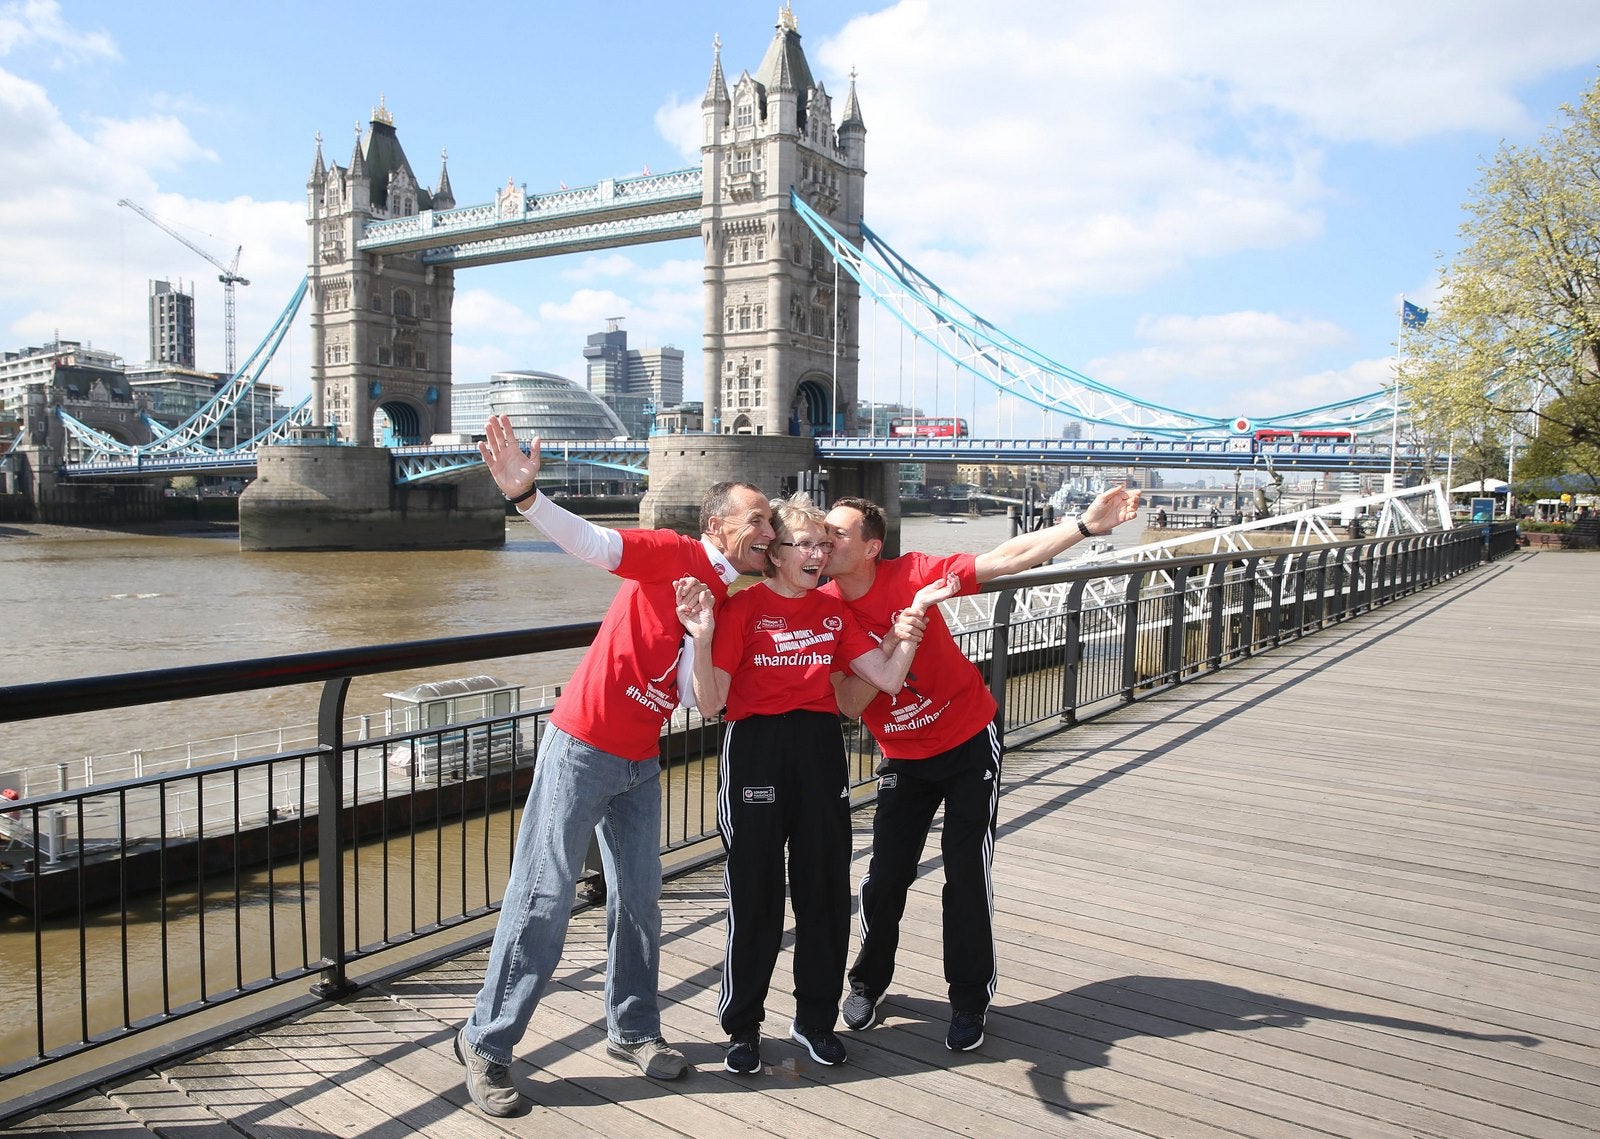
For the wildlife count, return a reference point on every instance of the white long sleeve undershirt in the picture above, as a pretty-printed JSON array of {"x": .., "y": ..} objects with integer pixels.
[
  {"x": 598, "y": 545},
  {"x": 601, "y": 547}
]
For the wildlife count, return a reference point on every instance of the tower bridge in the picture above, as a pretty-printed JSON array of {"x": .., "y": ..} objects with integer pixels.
[{"x": 777, "y": 203}]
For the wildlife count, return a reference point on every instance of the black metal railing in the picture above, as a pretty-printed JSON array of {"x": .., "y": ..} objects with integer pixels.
[{"x": 153, "y": 898}]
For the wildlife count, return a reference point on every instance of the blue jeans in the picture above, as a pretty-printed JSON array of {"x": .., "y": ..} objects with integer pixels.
[{"x": 577, "y": 788}]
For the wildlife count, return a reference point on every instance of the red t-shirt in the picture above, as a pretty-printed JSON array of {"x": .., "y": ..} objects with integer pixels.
[
  {"x": 782, "y": 651},
  {"x": 945, "y": 701},
  {"x": 626, "y": 685}
]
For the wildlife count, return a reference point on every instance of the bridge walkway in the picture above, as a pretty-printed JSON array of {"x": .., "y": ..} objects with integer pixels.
[{"x": 1350, "y": 888}]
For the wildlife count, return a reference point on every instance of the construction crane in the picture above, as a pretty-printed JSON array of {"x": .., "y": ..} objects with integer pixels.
[{"x": 229, "y": 275}]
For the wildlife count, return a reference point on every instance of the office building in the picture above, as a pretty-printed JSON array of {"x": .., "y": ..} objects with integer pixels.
[
  {"x": 171, "y": 325},
  {"x": 635, "y": 383}
]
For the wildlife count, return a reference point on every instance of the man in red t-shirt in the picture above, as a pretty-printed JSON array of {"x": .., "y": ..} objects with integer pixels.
[
  {"x": 939, "y": 744},
  {"x": 598, "y": 768}
]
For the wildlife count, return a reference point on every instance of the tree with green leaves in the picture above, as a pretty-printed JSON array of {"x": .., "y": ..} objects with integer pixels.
[{"x": 1512, "y": 351}]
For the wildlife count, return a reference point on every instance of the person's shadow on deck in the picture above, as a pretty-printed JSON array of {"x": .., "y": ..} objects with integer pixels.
[{"x": 1077, "y": 1030}]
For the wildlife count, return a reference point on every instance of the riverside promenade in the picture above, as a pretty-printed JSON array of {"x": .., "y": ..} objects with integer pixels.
[{"x": 1348, "y": 888}]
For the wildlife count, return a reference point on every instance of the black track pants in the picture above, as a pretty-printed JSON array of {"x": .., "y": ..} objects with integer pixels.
[
  {"x": 784, "y": 782},
  {"x": 966, "y": 780}
]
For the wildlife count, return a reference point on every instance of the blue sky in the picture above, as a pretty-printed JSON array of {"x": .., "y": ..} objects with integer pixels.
[{"x": 1216, "y": 207}]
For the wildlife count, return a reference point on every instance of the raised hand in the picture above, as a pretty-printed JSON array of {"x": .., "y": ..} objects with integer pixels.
[
  {"x": 936, "y": 591},
  {"x": 513, "y": 470},
  {"x": 1111, "y": 509}
]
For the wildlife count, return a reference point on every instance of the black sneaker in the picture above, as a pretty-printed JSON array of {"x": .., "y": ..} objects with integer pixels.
[
  {"x": 823, "y": 1044},
  {"x": 744, "y": 1053},
  {"x": 861, "y": 1011},
  {"x": 966, "y": 1031}
]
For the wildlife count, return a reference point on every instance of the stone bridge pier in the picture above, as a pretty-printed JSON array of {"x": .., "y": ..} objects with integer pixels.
[{"x": 683, "y": 466}]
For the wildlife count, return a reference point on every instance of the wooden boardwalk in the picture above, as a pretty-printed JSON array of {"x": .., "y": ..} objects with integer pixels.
[{"x": 1350, "y": 888}]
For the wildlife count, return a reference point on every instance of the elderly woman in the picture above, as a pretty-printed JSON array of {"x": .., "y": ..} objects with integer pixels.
[{"x": 772, "y": 658}]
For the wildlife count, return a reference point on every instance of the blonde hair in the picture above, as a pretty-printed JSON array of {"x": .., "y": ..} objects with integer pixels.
[{"x": 788, "y": 515}]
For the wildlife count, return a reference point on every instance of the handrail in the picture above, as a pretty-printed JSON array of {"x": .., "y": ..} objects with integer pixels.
[{"x": 100, "y": 693}]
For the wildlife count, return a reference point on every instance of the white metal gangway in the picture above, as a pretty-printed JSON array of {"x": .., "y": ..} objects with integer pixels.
[{"x": 1412, "y": 510}]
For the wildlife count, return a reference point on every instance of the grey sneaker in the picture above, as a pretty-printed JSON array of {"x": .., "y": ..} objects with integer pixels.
[
  {"x": 654, "y": 1058},
  {"x": 860, "y": 1011},
  {"x": 488, "y": 1083}
]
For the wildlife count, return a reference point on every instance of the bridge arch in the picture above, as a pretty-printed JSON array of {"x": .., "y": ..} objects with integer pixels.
[
  {"x": 811, "y": 410},
  {"x": 396, "y": 422}
]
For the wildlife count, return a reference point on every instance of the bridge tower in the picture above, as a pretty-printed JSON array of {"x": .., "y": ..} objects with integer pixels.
[
  {"x": 380, "y": 325},
  {"x": 781, "y": 329}
]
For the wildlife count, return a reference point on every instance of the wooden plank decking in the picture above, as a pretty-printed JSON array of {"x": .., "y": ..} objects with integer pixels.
[{"x": 1348, "y": 889}]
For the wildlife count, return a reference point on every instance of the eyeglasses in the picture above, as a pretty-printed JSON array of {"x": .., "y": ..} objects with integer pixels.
[{"x": 809, "y": 547}]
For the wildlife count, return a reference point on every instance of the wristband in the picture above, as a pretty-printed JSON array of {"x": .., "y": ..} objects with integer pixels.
[
  {"x": 1084, "y": 530},
  {"x": 523, "y": 497}
]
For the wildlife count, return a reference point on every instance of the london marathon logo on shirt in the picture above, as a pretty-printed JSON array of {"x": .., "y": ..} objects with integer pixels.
[{"x": 789, "y": 645}]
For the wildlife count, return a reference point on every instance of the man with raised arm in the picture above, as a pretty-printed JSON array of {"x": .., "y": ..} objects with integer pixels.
[
  {"x": 940, "y": 745},
  {"x": 598, "y": 766}
]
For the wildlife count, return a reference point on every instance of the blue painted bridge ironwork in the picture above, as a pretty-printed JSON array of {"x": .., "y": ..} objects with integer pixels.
[{"x": 420, "y": 463}]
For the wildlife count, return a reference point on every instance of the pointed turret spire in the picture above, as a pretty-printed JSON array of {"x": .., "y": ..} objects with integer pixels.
[
  {"x": 717, "y": 88},
  {"x": 444, "y": 198},
  {"x": 358, "y": 163},
  {"x": 852, "y": 109},
  {"x": 318, "y": 170}
]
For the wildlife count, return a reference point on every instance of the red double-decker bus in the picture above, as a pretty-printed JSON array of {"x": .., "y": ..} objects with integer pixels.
[
  {"x": 928, "y": 427},
  {"x": 1271, "y": 436}
]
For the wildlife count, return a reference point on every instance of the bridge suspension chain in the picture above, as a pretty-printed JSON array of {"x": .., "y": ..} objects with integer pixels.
[
  {"x": 188, "y": 437},
  {"x": 1018, "y": 369}
]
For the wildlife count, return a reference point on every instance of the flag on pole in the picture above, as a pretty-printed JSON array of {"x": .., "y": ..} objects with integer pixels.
[{"x": 1412, "y": 316}]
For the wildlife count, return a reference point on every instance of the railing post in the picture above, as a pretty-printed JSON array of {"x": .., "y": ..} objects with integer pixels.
[
  {"x": 1216, "y": 595},
  {"x": 330, "y": 839},
  {"x": 1130, "y": 635},
  {"x": 999, "y": 651},
  {"x": 1250, "y": 584},
  {"x": 1322, "y": 588},
  {"x": 1074, "y": 648},
  {"x": 1279, "y": 569},
  {"x": 1176, "y": 625}
]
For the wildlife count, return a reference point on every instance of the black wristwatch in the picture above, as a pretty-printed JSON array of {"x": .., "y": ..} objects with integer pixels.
[{"x": 1084, "y": 530}]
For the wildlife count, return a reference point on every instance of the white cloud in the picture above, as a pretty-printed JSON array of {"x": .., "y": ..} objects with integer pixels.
[
  {"x": 158, "y": 142},
  {"x": 680, "y": 123},
  {"x": 1225, "y": 364},
  {"x": 480, "y": 311},
  {"x": 88, "y": 262},
  {"x": 37, "y": 24},
  {"x": 1089, "y": 150},
  {"x": 587, "y": 309},
  {"x": 614, "y": 266}
]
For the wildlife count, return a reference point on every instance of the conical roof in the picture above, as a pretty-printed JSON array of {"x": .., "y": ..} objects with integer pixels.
[{"x": 784, "y": 67}]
